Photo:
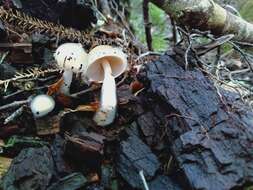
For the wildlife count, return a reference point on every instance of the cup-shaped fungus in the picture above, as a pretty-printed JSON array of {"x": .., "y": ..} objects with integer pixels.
[
  {"x": 105, "y": 63},
  {"x": 41, "y": 105},
  {"x": 72, "y": 58}
]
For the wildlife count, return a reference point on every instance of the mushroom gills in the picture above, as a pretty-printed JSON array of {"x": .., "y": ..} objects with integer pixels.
[{"x": 107, "y": 110}]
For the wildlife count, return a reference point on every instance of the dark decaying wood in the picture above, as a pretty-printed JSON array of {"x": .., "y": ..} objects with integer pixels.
[
  {"x": 211, "y": 139},
  {"x": 135, "y": 156}
]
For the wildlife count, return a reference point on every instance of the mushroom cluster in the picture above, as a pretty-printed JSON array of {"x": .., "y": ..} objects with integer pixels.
[{"x": 103, "y": 64}]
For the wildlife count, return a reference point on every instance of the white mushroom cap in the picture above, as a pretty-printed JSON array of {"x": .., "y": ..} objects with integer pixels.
[
  {"x": 71, "y": 56},
  {"x": 115, "y": 56},
  {"x": 41, "y": 105}
]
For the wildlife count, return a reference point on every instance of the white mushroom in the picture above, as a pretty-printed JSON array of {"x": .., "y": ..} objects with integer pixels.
[
  {"x": 105, "y": 63},
  {"x": 41, "y": 105},
  {"x": 72, "y": 58}
]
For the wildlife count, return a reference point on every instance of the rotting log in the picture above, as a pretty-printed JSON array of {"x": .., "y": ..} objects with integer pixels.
[
  {"x": 209, "y": 137},
  {"x": 207, "y": 15}
]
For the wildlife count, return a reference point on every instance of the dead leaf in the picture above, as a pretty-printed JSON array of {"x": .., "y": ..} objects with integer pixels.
[
  {"x": 4, "y": 165},
  {"x": 93, "y": 106},
  {"x": 135, "y": 86},
  {"x": 52, "y": 89},
  {"x": 93, "y": 178},
  {"x": 48, "y": 126},
  {"x": 64, "y": 100}
]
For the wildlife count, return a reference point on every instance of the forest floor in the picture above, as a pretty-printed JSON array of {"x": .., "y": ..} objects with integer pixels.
[{"x": 184, "y": 110}]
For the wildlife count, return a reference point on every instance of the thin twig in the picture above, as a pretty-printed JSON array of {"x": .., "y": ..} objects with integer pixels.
[
  {"x": 3, "y": 57},
  {"x": 174, "y": 30},
  {"x": 14, "y": 115},
  {"x": 147, "y": 24},
  {"x": 147, "y": 54},
  {"x": 92, "y": 88},
  {"x": 141, "y": 173},
  {"x": 14, "y": 104}
]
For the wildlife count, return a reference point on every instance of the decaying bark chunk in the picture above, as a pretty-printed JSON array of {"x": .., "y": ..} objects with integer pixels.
[
  {"x": 134, "y": 156},
  {"x": 73, "y": 181},
  {"x": 86, "y": 149},
  {"x": 163, "y": 183},
  {"x": 57, "y": 149},
  {"x": 32, "y": 169},
  {"x": 211, "y": 142}
]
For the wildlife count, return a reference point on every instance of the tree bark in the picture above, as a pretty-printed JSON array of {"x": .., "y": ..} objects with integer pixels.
[
  {"x": 207, "y": 15},
  {"x": 209, "y": 136}
]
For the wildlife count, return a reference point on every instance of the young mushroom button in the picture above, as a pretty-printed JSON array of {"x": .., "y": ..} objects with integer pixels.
[
  {"x": 105, "y": 63},
  {"x": 41, "y": 105},
  {"x": 72, "y": 58}
]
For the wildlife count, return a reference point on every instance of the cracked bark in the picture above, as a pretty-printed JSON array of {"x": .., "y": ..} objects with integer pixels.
[{"x": 210, "y": 138}]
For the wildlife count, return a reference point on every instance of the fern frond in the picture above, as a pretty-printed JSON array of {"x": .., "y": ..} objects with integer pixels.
[
  {"x": 31, "y": 73},
  {"x": 27, "y": 23}
]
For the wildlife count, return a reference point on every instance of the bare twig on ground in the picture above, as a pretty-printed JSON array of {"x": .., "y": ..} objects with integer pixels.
[
  {"x": 14, "y": 115},
  {"x": 92, "y": 88},
  {"x": 148, "y": 53},
  {"x": 14, "y": 104},
  {"x": 174, "y": 30}
]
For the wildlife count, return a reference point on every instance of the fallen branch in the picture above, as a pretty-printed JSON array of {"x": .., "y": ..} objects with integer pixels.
[{"x": 207, "y": 15}]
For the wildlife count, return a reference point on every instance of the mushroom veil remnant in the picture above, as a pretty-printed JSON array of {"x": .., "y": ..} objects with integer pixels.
[
  {"x": 105, "y": 63},
  {"x": 72, "y": 58}
]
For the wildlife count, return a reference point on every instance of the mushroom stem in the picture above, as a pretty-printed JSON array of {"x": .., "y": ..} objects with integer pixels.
[
  {"x": 107, "y": 110},
  {"x": 67, "y": 78}
]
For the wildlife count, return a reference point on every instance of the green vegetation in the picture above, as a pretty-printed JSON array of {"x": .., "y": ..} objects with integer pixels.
[
  {"x": 160, "y": 23},
  {"x": 159, "y": 20},
  {"x": 246, "y": 10}
]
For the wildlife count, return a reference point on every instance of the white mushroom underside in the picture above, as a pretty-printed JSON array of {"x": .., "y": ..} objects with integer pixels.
[{"x": 107, "y": 110}]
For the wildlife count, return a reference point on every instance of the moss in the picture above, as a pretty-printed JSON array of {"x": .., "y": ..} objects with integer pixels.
[
  {"x": 248, "y": 188},
  {"x": 159, "y": 29},
  {"x": 226, "y": 47}
]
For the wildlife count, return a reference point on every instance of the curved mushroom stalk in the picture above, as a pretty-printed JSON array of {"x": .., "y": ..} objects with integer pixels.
[
  {"x": 107, "y": 110},
  {"x": 67, "y": 78}
]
